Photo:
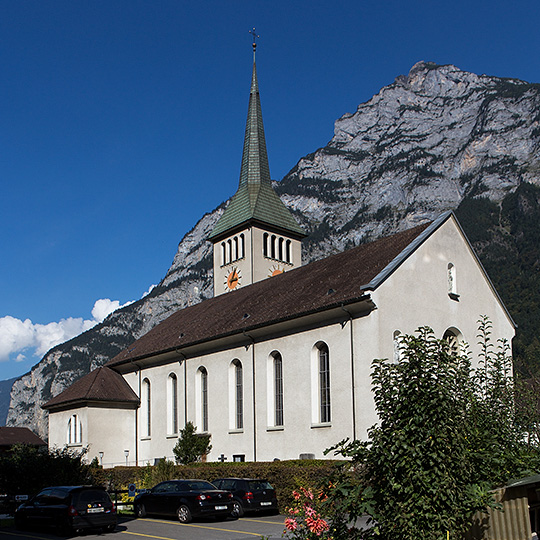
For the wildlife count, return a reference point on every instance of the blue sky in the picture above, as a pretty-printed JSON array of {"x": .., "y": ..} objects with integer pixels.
[{"x": 122, "y": 123}]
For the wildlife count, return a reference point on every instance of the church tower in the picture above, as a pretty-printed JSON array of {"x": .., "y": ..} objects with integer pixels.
[{"x": 257, "y": 236}]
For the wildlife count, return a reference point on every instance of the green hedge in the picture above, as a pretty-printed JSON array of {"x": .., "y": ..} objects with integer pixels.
[{"x": 283, "y": 475}]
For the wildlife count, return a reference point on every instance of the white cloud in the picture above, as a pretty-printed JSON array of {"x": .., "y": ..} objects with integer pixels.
[
  {"x": 21, "y": 338},
  {"x": 104, "y": 307}
]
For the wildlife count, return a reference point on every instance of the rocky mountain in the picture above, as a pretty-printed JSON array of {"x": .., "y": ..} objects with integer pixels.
[{"x": 436, "y": 139}]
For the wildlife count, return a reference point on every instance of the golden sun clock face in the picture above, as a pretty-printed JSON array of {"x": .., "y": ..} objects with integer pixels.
[
  {"x": 233, "y": 279},
  {"x": 275, "y": 270}
]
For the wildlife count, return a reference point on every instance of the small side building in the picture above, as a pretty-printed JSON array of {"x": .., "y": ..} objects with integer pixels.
[
  {"x": 99, "y": 411},
  {"x": 11, "y": 436}
]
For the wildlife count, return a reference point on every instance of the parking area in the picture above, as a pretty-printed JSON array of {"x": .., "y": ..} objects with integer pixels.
[{"x": 249, "y": 527}]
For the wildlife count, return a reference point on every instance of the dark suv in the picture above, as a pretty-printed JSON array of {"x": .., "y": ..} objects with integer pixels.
[
  {"x": 249, "y": 494},
  {"x": 68, "y": 508}
]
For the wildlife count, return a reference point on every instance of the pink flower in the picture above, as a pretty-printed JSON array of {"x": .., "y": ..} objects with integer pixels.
[
  {"x": 296, "y": 495},
  {"x": 307, "y": 493},
  {"x": 291, "y": 524},
  {"x": 310, "y": 512},
  {"x": 317, "y": 526}
]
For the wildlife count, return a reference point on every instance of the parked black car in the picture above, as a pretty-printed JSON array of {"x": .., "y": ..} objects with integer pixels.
[
  {"x": 184, "y": 499},
  {"x": 249, "y": 494},
  {"x": 68, "y": 508}
]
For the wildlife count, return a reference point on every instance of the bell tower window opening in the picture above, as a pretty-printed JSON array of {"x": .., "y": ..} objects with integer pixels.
[
  {"x": 228, "y": 258},
  {"x": 266, "y": 238},
  {"x": 241, "y": 254},
  {"x": 222, "y": 253},
  {"x": 273, "y": 246},
  {"x": 288, "y": 251}
]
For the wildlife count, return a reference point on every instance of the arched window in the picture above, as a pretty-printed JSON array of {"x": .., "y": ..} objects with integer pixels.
[
  {"x": 324, "y": 383},
  {"x": 242, "y": 248},
  {"x": 278, "y": 388},
  {"x": 280, "y": 249},
  {"x": 454, "y": 338},
  {"x": 235, "y": 249},
  {"x": 273, "y": 246},
  {"x": 222, "y": 253},
  {"x": 397, "y": 346},
  {"x": 228, "y": 258},
  {"x": 74, "y": 430},
  {"x": 238, "y": 385},
  {"x": 202, "y": 387},
  {"x": 172, "y": 404},
  {"x": 146, "y": 405},
  {"x": 452, "y": 282},
  {"x": 266, "y": 238},
  {"x": 288, "y": 257}
]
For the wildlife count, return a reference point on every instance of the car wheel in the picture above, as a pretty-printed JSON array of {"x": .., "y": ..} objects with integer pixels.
[
  {"x": 237, "y": 509},
  {"x": 110, "y": 528},
  {"x": 140, "y": 510},
  {"x": 184, "y": 514}
]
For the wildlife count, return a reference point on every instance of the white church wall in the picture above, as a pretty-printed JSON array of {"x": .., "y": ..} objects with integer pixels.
[{"x": 420, "y": 288}]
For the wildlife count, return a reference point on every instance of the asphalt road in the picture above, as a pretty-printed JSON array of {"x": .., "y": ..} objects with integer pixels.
[{"x": 270, "y": 527}]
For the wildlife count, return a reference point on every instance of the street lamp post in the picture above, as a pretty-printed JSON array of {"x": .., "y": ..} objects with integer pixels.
[
  {"x": 126, "y": 453},
  {"x": 101, "y": 458}
]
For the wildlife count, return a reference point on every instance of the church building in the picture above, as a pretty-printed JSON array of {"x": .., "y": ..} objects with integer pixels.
[{"x": 277, "y": 364}]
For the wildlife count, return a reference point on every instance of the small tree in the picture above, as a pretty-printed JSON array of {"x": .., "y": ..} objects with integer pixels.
[{"x": 191, "y": 447}]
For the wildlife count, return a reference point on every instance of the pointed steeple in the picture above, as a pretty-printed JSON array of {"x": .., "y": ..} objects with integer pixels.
[{"x": 255, "y": 200}]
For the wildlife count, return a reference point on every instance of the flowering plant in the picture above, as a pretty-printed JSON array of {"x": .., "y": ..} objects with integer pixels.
[{"x": 305, "y": 521}]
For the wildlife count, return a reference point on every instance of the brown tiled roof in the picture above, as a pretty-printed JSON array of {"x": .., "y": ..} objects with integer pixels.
[
  {"x": 102, "y": 384},
  {"x": 19, "y": 435},
  {"x": 337, "y": 280}
]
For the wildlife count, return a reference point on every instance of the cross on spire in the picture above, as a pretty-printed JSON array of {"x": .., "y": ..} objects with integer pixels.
[{"x": 255, "y": 37}]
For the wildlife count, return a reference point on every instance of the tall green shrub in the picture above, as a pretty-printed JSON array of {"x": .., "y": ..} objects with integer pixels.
[{"x": 446, "y": 436}]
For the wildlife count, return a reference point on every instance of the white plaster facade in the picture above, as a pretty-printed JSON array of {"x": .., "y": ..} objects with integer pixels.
[{"x": 438, "y": 282}]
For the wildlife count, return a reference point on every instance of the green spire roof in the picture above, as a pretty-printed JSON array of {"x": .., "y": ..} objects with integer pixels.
[{"x": 255, "y": 200}]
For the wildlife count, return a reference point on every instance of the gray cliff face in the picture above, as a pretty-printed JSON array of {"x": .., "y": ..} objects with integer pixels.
[{"x": 416, "y": 149}]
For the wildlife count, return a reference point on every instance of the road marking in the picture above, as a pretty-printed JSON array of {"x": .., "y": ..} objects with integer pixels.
[
  {"x": 187, "y": 525},
  {"x": 281, "y": 522}
]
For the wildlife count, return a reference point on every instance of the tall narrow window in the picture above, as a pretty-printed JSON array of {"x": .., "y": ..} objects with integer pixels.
[
  {"x": 324, "y": 383},
  {"x": 222, "y": 253},
  {"x": 266, "y": 238},
  {"x": 74, "y": 433},
  {"x": 397, "y": 346},
  {"x": 242, "y": 246},
  {"x": 288, "y": 257},
  {"x": 229, "y": 251},
  {"x": 273, "y": 246},
  {"x": 235, "y": 249},
  {"x": 278, "y": 389},
  {"x": 172, "y": 404},
  {"x": 146, "y": 408},
  {"x": 239, "y": 395},
  {"x": 280, "y": 249},
  {"x": 204, "y": 399},
  {"x": 452, "y": 284}
]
